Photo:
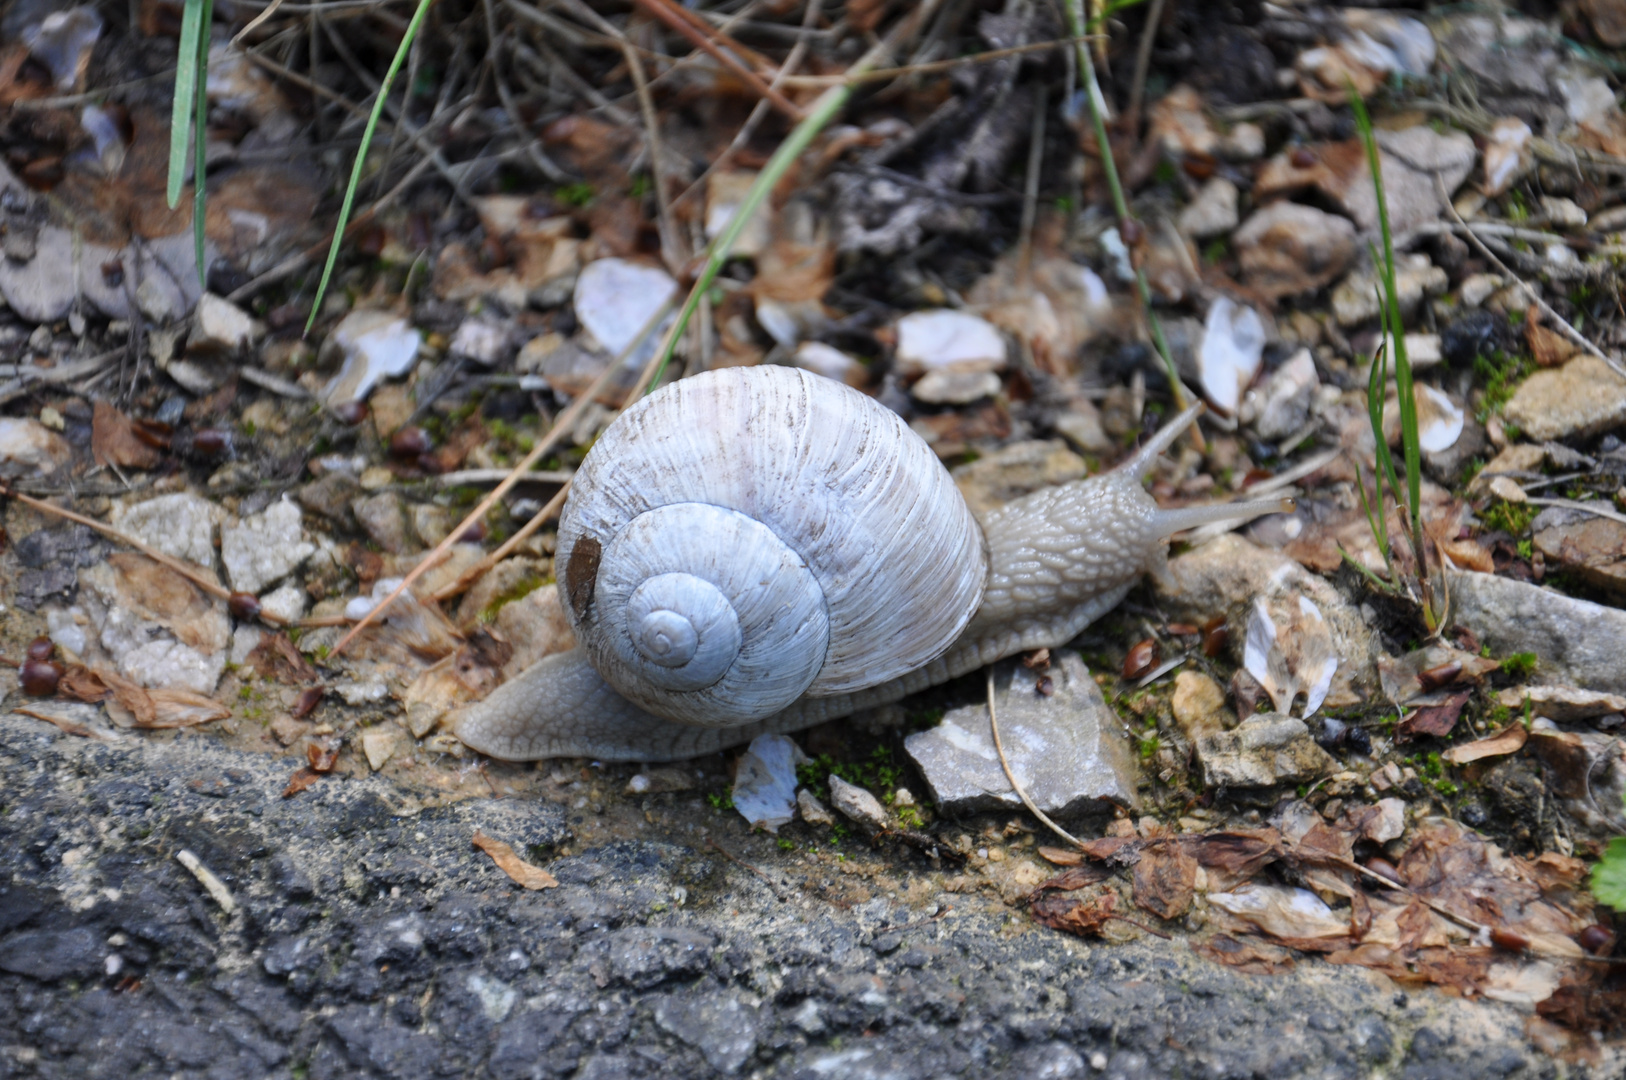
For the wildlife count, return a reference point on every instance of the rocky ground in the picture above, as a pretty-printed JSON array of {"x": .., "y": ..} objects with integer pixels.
[{"x": 1346, "y": 793}]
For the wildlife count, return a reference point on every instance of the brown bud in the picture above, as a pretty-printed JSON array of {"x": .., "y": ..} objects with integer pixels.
[
  {"x": 154, "y": 434},
  {"x": 1597, "y": 939},
  {"x": 41, "y": 648},
  {"x": 350, "y": 413},
  {"x": 1383, "y": 868},
  {"x": 409, "y": 442},
  {"x": 474, "y": 534},
  {"x": 211, "y": 442},
  {"x": 1302, "y": 157},
  {"x": 1509, "y": 940},
  {"x": 244, "y": 606},
  {"x": 1132, "y": 231},
  {"x": 1141, "y": 658},
  {"x": 39, "y": 677},
  {"x": 308, "y": 700}
]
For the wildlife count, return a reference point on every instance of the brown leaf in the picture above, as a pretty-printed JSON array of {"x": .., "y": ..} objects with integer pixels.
[
  {"x": 1082, "y": 917},
  {"x": 81, "y": 684},
  {"x": 1165, "y": 878},
  {"x": 276, "y": 658},
  {"x": 113, "y": 440},
  {"x": 322, "y": 754},
  {"x": 523, "y": 873},
  {"x": 135, "y": 706},
  {"x": 1060, "y": 856},
  {"x": 1076, "y": 877},
  {"x": 299, "y": 781},
  {"x": 1509, "y": 740},
  {"x": 1549, "y": 348},
  {"x": 1436, "y": 720},
  {"x": 1253, "y": 957}
]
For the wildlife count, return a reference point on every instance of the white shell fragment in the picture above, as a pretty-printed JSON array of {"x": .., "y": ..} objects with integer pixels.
[
  {"x": 765, "y": 502},
  {"x": 1295, "y": 657},
  {"x": 948, "y": 339},
  {"x": 616, "y": 298},
  {"x": 1229, "y": 357},
  {"x": 1439, "y": 419},
  {"x": 376, "y": 345},
  {"x": 1507, "y": 154},
  {"x": 765, "y": 781}
]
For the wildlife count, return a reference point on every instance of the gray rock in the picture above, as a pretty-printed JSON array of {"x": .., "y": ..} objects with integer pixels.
[
  {"x": 1016, "y": 470},
  {"x": 1355, "y": 300},
  {"x": 330, "y": 496},
  {"x": 219, "y": 326},
  {"x": 180, "y": 524},
  {"x": 947, "y": 387},
  {"x": 1212, "y": 212},
  {"x": 29, "y": 448},
  {"x": 53, "y": 954},
  {"x": 719, "y": 1025},
  {"x": 1584, "y": 397},
  {"x": 1283, "y": 406},
  {"x": 1575, "y": 641},
  {"x": 857, "y": 803},
  {"x": 1067, "y": 749},
  {"x": 265, "y": 548},
  {"x": 1264, "y": 750},
  {"x": 385, "y": 521}
]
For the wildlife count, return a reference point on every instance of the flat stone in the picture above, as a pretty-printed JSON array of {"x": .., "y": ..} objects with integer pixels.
[
  {"x": 1213, "y": 212},
  {"x": 858, "y": 804},
  {"x": 48, "y": 955},
  {"x": 812, "y": 810},
  {"x": 615, "y": 298},
  {"x": 1016, "y": 470},
  {"x": 29, "y": 448},
  {"x": 1514, "y": 458},
  {"x": 381, "y": 743},
  {"x": 481, "y": 340},
  {"x": 1264, "y": 750},
  {"x": 955, "y": 387},
  {"x": 384, "y": 518},
  {"x": 158, "y": 628},
  {"x": 1198, "y": 704},
  {"x": 1593, "y": 546},
  {"x": 1067, "y": 750},
  {"x": 181, "y": 525},
  {"x": 1584, "y": 397},
  {"x": 765, "y": 781},
  {"x": 265, "y": 548},
  {"x": 718, "y": 1024},
  {"x": 1575, "y": 641},
  {"x": 1283, "y": 406},
  {"x": 831, "y": 362},
  {"x": 42, "y": 289},
  {"x": 1287, "y": 248},
  {"x": 1562, "y": 704},
  {"x": 219, "y": 326},
  {"x": 330, "y": 496},
  {"x": 1355, "y": 300}
]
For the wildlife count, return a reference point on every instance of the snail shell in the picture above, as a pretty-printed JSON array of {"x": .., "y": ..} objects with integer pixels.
[{"x": 749, "y": 536}]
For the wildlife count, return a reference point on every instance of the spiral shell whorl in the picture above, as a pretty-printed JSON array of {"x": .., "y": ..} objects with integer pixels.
[{"x": 772, "y": 504}]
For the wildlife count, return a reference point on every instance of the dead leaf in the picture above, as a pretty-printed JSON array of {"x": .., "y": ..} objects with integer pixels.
[
  {"x": 1165, "y": 879},
  {"x": 276, "y": 658},
  {"x": 132, "y": 705},
  {"x": 63, "y": 715},
  {"x": 1082, "y": 917},
  {"x": 1251, "y": 956},
  {"x": 1060, "y": 856},
  {"x": 113, "y": 441},
  {"x": 1435, "y": 720},
  {"x": 1510, "y": 740},
  {"x": 322, "y": 754},
  {"x": 1548, "y": 348},
  {"x": 299, "y": 781},
  {"x": 523, "y": 873}
]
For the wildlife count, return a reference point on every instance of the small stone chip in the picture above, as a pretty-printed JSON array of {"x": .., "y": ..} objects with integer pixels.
[{"x": 206, "y": 877}]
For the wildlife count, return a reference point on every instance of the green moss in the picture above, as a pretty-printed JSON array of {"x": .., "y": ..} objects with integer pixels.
[
  {"x": 521, "y": 589},
  {"x": 1501, "y": 375},
  {"x": 1519, "y": 665},
  {"x": 1511, "y": 518}
]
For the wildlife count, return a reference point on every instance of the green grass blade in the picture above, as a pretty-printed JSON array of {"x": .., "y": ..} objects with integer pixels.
[
  {"x": 201, "y": 143},
  {"x": 824, "y": 110},
  {"x": 186, "y": 81},
  {"x": 361, "y": 153},
  {"x": 1403, "y": 376}
]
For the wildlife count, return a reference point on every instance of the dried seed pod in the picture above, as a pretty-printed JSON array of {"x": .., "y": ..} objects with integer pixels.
[
  {"x": 308, "y": 700},
  {"x": 1132, "y": 231},
  {"x": 1383, "y": 868},
  {"x": 1216, "y": 636},
  {"x": 41, "y": 648},
  {"x": 244, "y": 606},
  {"x": 1443, "y": 675},
  {"x": 409, "y": 442},
  {"x": 1597, "y": 939},
  {"x": 39, "y": 677},
  {"x": 211, "y": 442},
  {"x": 154, "y": 433},
  {"x": 1509, "y": 940},
  {"x": 1302, "y": 157},
  {"x": 350, "y": 413},
  {"x": 1141, "y": 658}
]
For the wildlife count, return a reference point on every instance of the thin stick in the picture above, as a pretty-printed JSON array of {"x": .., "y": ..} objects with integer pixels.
[
  {"x": 538, "y": 519},
  {"x": 701, "y": 41},
  {"x": 1546, "y": 309},
  {"x": 1004, "y": 763},
  {"x": 1092, "y": 93},
  {"x": 561, "y": 425},
  {"x": 186, "y": 570},
  {"x": 1030, "y": 194},
  {"x": 672, "y": 249},
  {"x": 1143, "y": 61}
]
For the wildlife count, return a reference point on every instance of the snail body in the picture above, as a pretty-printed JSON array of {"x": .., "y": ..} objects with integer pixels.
[{"x": 761, "y": 549}]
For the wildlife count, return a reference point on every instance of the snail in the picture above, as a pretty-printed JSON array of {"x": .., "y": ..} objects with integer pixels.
[{"x": 762, "y": 549}]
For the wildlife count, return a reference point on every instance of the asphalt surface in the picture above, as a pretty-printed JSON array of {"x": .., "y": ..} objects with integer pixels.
[{"x": 369, "y": 938}]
